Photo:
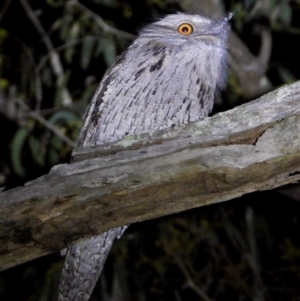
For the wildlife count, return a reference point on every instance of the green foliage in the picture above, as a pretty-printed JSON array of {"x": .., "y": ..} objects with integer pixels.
[
  {"x": 43, "y": 147},
  {"x": 277, "y": 12},
  {"x": 55, "y": 3},
  {"x": 160, "y": 259},
  {"x": 73, "y": 30},
  {"x": 214, "y": 251},
  {"x": 286, "y": 75},
  {"x": 109, "y": 52},
  {"x": 16, "y": 150},
  {"x": 109, "y": 3},
  {"x": 37, "y": 151},
  {"x": 4, "y": 83},
  {"x": 45, "y": 79}
]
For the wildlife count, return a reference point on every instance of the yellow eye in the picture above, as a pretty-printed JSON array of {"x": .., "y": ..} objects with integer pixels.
[{"x": 185, "y": 29}]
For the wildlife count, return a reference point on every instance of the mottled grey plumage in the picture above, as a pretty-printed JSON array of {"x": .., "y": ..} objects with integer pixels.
[{"x": 168, "y": 77}]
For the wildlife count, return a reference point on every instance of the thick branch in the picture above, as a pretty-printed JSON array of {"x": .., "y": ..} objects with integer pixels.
[{"x": 252, "y": 147}]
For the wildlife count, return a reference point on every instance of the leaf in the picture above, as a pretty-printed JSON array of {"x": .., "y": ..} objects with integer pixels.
[
  {"x": 109, "y": 3},
  {"x": 66, "y": 19},
  {"x": 286, "y": 14},
  {"x": 248, "y": 3},
  {"x": 87, "y": 95},
  {"x": 109, "y": 52},
  {"x": 35, "y": 146},
  {"x": 46, "y": 76},
  {"x": 86, "y": 53},
  {"x": 239, "y": 14},
  {"x": 4, "y": 83},
  {"x": 61, "y": 89},
  {"x": 286, "y": 75},
  {"x": 72, "y": 36},
  {"x": 69, "y": 123},
  {"x": 3, "y": 35},
  {"x": 99, "y": 47},
  {"x": 16, "y": 150},
  {"x": 55, "y": 3},
  {"x": 63, "y": 116},
  {"x": 56, "y": 143},
  {"x": 53, "y": 157},
  {"x": 68, "y": 54}
]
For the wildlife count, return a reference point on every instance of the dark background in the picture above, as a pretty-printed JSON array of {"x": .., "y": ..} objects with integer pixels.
[{"x": 244, "y": 249}]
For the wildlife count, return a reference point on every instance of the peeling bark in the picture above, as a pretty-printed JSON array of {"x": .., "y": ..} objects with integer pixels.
[{"x": 252, "y": 147}]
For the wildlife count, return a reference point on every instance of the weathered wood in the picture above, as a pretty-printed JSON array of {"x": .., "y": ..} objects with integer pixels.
[{"x": 252, "y": 147}]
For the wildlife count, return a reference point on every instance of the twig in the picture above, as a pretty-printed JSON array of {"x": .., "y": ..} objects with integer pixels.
[
  {"x": 258, "y": 290},
  {"x": 54, "y": 57},
  {"x": 189, "y": 280},
  {"x": 4, "y": 8},
  {"x": 36, "y": 116},
  {"x": 238, "y": 240},
  {"x": 38, "y": 91},
  {"x": 101, "y": 23},
  {"x": 8, "y": 108},
  {"x": 64, "y": 47},
  {"x": 264, "y": 55},
  {"x": 177, "y": 296}
]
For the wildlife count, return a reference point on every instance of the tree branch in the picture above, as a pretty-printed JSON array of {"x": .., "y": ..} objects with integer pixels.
[
  {"x": 15, "y": 109},
  {"x": 252, "y": 147},
  {"x": 100, "y": 21},
  {"x": 54, "y": 57},
  {"x": 4, "y": 8}
]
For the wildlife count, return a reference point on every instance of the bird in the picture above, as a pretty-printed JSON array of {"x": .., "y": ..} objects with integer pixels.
[{"x": 169, "y": 76}]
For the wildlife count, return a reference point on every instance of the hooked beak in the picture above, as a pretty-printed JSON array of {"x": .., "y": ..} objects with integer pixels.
[{"x": 218, "y": 32}]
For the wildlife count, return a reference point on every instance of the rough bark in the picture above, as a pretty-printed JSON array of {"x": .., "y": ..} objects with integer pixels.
[{"x": 252, "y": 147}]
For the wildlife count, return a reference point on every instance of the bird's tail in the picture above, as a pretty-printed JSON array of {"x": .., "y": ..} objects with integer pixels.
[{"x": 83, "y": 265}]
